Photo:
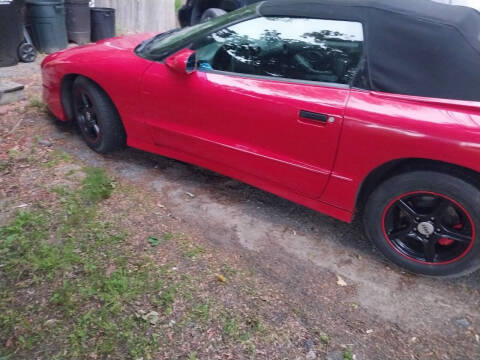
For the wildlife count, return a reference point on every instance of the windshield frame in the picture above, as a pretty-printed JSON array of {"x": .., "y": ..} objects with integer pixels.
[{"x": 194, "y": 33}]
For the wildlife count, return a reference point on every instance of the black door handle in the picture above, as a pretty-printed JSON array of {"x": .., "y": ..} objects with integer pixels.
[{"x": 313, "y": 116}]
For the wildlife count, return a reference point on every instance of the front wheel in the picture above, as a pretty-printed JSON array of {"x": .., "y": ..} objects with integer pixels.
[
  {"x": 96, "y": 117},
  {"x": 426, "y": 222}
]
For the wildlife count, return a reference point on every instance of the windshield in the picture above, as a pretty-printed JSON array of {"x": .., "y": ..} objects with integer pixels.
[{"x": 166, "y": 43}]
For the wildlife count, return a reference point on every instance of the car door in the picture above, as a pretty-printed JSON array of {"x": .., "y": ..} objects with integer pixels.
[{"x": 267, "y": 99}]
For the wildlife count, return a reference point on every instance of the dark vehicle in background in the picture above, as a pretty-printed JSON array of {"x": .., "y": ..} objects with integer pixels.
[{"x": 196, "y": 11}]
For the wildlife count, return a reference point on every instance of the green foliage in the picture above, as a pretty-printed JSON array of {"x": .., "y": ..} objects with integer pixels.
[
  {"x": 56, "y": 157},
  {"x": 153, "y": 241},
  {"x": 325, "y": 338},
  {"x": 36, "y": 103},
  {"x": 178, "y": 4},
  {"x": 88, "y": 285},
  {"x": 348, "y": 354},
  {"x": 201, "y": 312},
  {"x": 230, "y": 327},
  {"x": 159, "y": 240},
  {"x": 96, "y": 186},
  {"x": 43, "y": 248},
  {"x": 191, "y": 251},
  {"x": 167, "y": 298}
]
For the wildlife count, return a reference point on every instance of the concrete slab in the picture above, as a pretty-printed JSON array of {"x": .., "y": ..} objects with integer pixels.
[{"x": 11, "y": 92}]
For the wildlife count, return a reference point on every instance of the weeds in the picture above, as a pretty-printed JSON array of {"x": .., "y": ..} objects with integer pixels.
[
  {"x": 84, "y": 246},
  {"x": 178, "y": 4},
  {"x": 88, "y": 284},
  {"x": 56, "y": 157},
  {"x": 348, "y": 354},
  {"x": 96, "y": 186},
  {"x": 36, "y": 103}
]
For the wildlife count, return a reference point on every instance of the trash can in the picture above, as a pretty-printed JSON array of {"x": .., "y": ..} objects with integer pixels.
[
  {"x": 12, "y": 20},
  {"x": 46, "y": 19},
  {"x": 78, "y": 21},
  {"x": 103, "y": 23}
]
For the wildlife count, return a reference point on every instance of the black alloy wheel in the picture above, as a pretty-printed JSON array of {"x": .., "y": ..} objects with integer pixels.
[
  {"x": 97, "y": 117},
  {"x": 86, "y": 116},
  {"x": 427, "y": 221},
  {"x": 429, "y": 228}
]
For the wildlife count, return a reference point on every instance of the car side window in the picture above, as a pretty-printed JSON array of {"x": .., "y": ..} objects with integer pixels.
[{"x": 290, "y": 48}]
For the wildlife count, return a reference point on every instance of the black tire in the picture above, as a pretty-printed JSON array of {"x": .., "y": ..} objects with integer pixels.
[
  {"x": 409, "y": 219},
  {"x": 212, "y": 13},
  {"x": 102, "y": 130}
]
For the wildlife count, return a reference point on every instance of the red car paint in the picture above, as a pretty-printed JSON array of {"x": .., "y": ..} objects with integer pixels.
[{"x": 250, "y": 129}]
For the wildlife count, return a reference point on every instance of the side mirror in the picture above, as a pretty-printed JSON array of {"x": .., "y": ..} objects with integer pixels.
[{"x": 183, "y": 62}]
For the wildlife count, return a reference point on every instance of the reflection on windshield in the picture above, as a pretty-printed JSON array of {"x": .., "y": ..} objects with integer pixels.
[
  {"x": 160, "y": 46},
  {"x": 293, "y": 48}
]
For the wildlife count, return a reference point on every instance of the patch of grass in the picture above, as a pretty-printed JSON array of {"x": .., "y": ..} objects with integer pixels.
[
  {"x": 13, "y": 153},
  {"x": 191, "y": 251},
  {"x": 235, "y": 329},
  {"x": 56, "y": 157},
  {"x": 325, "y": 339},
  {"x": 348, "y": 354},
  {"x": 167, "y": 298},
  {"x": 255, "y": 324},
  {"x": 72, "y": 287},
  {"x": 24, "y": 251},
  {"x": 36, "y": 103},
  {"x": 228, "y": 270},
  {"x": 201, "y": 312},
  {"x": 97, "y": 185},
  {"x": 3, "y": 166},
  {"x": 159, "y": 240},
  {"x": 82, "y": 266},
  {"x": 230, "y": 327},
  {"x": 64, "y": 297}
]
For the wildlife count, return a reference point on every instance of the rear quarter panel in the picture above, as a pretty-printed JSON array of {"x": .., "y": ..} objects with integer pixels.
[{"x": 379, "y": 128}]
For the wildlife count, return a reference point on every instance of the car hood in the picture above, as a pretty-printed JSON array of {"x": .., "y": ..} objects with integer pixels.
[
  {"x": 104, "y": 50},
  {"x": 124, "y": 42}
]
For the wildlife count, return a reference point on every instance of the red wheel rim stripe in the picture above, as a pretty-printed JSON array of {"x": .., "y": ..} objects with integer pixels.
[{"x": 436, "y": 194}]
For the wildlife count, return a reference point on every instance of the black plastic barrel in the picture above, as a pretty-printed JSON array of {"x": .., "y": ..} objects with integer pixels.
[
  {"x": 78, "y": 21},
  {"x": 46, "y": 19},
  {"x": 103, "y": 23},
  {"x": 12, "y": 14}
]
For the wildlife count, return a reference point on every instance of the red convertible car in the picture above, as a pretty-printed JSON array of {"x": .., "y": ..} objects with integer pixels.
[{"x": 367, "y": 107}]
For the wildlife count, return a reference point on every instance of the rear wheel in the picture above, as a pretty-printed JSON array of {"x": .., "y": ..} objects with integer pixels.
[
  {"x": 427, "y": 223},
  {"x": 97, "y": 117}
]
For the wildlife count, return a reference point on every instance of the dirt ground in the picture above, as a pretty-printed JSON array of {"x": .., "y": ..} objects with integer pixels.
[{"x": 318, "y": 287}]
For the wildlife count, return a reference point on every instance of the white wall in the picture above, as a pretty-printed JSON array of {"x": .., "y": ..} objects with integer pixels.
[
  {"x": 142, "y": 15},
  {"x": 472, "y": 3}
]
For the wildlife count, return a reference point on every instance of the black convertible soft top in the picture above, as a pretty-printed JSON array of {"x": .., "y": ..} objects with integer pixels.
[{"x": 414, "y": 47}]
